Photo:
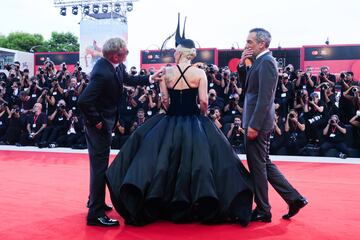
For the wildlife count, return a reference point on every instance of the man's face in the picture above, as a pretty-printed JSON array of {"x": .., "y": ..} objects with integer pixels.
[
  {"x": 37, "y": 107},
  {"x": 140, "y": 114},
  {"x": 122, "y": 55},
  {"x": 252, "y": 44},
  {"x": 237, "y": 121}
]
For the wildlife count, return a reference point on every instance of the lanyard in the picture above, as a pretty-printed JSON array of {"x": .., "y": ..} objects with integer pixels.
[
  {"x": 36, "y": 118},
  {"x": 333, "y": 129}
]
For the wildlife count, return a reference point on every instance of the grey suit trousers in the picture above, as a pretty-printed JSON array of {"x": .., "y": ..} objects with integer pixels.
[{"x": 263, "y": 170}]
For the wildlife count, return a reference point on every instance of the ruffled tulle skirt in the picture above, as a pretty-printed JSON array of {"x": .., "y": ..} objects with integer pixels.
[{"x": 179, "y": 168}]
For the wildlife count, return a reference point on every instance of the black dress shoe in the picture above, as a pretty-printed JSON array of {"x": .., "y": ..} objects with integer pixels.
[
  {"x": 107, "y": 207},
  {"x": 295, "y": 207},
  {"x": 260, "y": 217},
  {"x": 104, "y": 221}
]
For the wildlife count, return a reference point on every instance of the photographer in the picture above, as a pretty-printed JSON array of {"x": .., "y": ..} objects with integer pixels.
[
  {"x": 295, "y": 137},
  {"x": 49, "y": 68},
  {"x": 313, "y": 113},
  {"x": 214, "y": 100},
  {"x": 148, "y": 100},
  {"x": 215, "y": 78},
  {"x": 4, "y": 116},
  {"x": 25, "y": 102},
  {"x": 215, "y": 116},
  {"x": 355, "y": 122},
  {"x": 118, "y": 135},
  {"x": 325, "y": 76},
  {"x": 46, "y": 100},
  {"x": 139, "y": 120},
  {"x": 72, "y": 94},
  {"x": 14, "y": 126},
  {"x": 41, "y": 78},
  {"x": 58, "y": 120},
  {"x": 128, "y": 106},
  {"x": 232, "y": 86},
  {"x": 290, "y": 70},
  {"x": 35, "y": 124},
  {"x": 133, "y": 71},
  {"x": 35, "y": 90},
  {"x": 346, "y": 81},
  {"x": 305, "y": 80},
  {"x": 276, "y": 137},
  {"x": 329, "y": 97},
  {"x": 334, "y": 134},
  {"x": 232, "y": 108},
  {"x": 236, "y": 135},
  {"x": 74, "y": 135},
  {"x": 284, "y": 94}
]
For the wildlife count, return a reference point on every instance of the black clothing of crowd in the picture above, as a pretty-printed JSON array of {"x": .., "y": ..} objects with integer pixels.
[{"x": 305, "y": 103}]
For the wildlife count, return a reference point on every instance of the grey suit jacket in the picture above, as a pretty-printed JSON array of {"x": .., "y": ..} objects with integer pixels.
[{"x": 260, "y": 85}]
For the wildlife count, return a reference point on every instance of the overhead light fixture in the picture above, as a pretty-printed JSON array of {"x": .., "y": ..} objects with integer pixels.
[
  {"x": 86, "y": 10},
  {"x": 75, "y": 10},
  {"x": 129, "y": 6},
  {"x": 105, "y": 8},
  {"x": 63, "y": 11},
  {"x": 117, "y": 7},
  {"x": 95, "y": 9}
]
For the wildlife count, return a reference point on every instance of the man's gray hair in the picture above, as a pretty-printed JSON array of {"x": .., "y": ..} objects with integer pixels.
[
  {"x": 262, "y": 35},
  {"x": 113, "y": 46}
]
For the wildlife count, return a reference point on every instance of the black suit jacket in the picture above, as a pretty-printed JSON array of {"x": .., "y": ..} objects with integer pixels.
[{"x": 101, "y": 99}]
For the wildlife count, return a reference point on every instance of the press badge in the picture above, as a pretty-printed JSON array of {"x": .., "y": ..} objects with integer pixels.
[
  {"x": 74, "y": 98},
  {"x": 54, "y": 93},
  {"x": 211, "y": 84},
  {"x": 113, "y": 134},
  {"x": 332, "y": 135},
  {"x": 233, "y": 112},
  {"x": 34, "y": 95},
  {"x": 283, "y": 95},
  {"x": 34, "y": 125}
]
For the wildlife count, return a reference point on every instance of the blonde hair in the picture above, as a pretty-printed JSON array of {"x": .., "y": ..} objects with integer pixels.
[
  {"x": 113, "y": 46},
  {"x": 189, "y": 53}
]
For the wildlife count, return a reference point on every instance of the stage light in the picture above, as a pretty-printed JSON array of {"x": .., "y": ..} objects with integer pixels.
[
  {"x": 117, "y": 7},
  {"x": 63, "y": 11},
  {"x": 129, "y": 7},
  {"x": 95, "y": 9},
  {"x": 105, "y": 8},
  {"x": 86, "y": 10},
  {"x": 75, "y": 10}
]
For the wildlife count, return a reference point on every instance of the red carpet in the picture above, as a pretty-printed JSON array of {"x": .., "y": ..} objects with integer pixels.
[{"x": 43, "y": 196}]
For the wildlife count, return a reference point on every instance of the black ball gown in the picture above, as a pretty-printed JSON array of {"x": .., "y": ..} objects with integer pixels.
[{"x": 179, "y": 166}]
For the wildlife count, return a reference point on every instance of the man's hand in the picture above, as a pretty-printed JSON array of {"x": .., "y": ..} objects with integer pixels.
[
  {"x": 99, "y": 125},
  {"x": 252, "y": 134},
  {"x": 247, "y": 53}
]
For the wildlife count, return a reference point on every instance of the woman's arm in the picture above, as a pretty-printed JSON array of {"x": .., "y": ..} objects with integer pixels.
[
  {"x": 203, "y": 95},
  {"x": 165, "y": 100}
]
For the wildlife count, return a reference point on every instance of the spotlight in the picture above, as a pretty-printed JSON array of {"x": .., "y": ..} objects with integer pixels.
[
  {"x": 327, "y": 41},
  {"x": 117, "y": 7},
  {"x": 129, "y": 6},
  {"x": 105, "y": 8},
  {"x": 63, "y": 11},
  {"x": 95, "y": 9},
  {"x": 86, "y": 10},
  {"x": 75, "y": 10}
]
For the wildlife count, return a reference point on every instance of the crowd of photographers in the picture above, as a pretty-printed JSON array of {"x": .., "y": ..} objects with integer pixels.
[{"x": 318, "y": 110}]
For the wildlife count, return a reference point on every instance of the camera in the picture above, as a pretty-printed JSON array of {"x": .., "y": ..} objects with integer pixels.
[
  {"x": 236, "y": 127},
  {"x": 150, "y": 92},
  {"x": 212, "y": 111},
  {"x": 64, "y": 67},
  {"x": 355, "y": 90},
  {"x": 211, "y": 69},
  {"x": 342, "y": 75},
  {"x": 332, "y": 121},
  {"x": 212, "y": 95},
  {"x": 325, "y": 87},
  {"x": 310, "y": 98},
  {"x": 291, "y": 115},
  {"x": 322, "y": 74},
  {"x": 287, "y": 69},
  {"x": 61, "y": 108},
  {"x": 41, "y": 70}
]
